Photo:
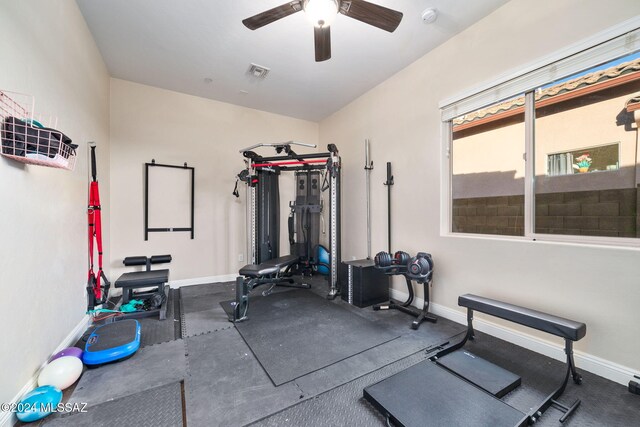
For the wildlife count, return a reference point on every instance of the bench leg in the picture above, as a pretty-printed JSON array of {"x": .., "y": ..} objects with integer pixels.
[
  {"x": 468, "y": 336},
  {"x": 568, "y": 349},
  {"x": 241, "y": 304},
  {"x": 536, "y": 413}
]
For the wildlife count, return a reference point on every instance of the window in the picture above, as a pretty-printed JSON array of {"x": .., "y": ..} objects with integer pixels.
[
  {"x": 594, "y": 193},
  {"x": 488, "y": 170},
  {"x": 580, "y": 134}
]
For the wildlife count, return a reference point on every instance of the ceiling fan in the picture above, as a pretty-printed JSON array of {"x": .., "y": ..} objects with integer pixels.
[{"x": 322, "y": 12}]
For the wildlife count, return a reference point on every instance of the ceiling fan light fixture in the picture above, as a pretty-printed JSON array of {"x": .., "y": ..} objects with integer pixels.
[{"x": 321, "y": 13}]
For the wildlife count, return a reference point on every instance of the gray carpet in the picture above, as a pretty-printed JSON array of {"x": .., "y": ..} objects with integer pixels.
[{"x": 298, "y": 332}]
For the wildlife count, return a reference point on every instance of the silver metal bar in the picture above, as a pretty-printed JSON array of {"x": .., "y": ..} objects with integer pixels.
[
  {"x": 529, "y": 182},
  {"x": 367, "y": 170},
  {"x": 333, "y": 232}
]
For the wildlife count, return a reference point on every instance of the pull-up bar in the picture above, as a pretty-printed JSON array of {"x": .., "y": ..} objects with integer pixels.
[
  {"x": 282, "y": 144},
  {"x": 297, "y": 162}
]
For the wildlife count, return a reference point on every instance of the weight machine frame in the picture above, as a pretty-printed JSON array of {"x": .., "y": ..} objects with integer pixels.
[{"x": 291, "y": 161}]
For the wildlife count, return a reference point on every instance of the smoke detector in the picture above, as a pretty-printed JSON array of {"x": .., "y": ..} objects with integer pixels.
[
  {"x": 258, "y": 71},
  {"x": 429, "y": 15}
]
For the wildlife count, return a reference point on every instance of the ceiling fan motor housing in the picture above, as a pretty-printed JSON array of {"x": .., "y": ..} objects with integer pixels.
[{"x": 321, "y": 12}]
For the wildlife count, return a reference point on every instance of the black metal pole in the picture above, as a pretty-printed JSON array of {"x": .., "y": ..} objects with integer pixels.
[
  {"x": 146, "y": 201},
  {"x": 193, "y": 197},
  {"x": 389, "y": 183}
]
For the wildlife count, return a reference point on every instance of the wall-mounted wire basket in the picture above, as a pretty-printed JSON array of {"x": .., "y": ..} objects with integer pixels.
[{"x": 32, "y": 139}]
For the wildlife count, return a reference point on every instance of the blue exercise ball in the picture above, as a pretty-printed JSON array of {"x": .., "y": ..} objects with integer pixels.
[{"x": 38, "y": 403}]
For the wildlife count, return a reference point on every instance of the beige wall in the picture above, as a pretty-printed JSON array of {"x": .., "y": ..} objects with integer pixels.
[
  {"x": 597, "y": 285},
  {"x": 172, "y": 128},
  {"x": 48, "y": 52}
]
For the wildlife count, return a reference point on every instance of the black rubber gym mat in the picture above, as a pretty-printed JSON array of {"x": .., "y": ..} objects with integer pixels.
[
  {"x": 427, "y": 395},
  {"x": 200, "y": 307},
  {"x": 486, "y": 375},
  {"x": 157, "y": 407},
  {"x": 156, "y": 331},
  {"x": 227, "y": 386},
  {"x": 149, "y": 367},
  {"x": 604, "y": 403},
  {"x": 297, "y": 332},
  {"x": 342, "y": 405},
  {"x": 206, "y": 289}
]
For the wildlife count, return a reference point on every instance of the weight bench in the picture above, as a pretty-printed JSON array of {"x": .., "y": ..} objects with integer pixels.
[
  {"x": 274, "y": 271},
  {"x": 455, "y": 389},
  {"x": 148, "y": 278}
]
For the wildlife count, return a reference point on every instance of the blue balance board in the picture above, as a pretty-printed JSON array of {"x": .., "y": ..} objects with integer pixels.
[{"x": 112, "y": 342}]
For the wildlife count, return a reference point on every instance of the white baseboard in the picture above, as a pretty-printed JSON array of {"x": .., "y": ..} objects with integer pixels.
[
  {"x": 200, "y": 280},
  {"x": 596, "y": 365},
  {"x": 8, "y": 419}
]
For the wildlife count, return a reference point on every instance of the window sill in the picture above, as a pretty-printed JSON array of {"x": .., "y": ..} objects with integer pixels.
[{"x": 567, "y": 240}]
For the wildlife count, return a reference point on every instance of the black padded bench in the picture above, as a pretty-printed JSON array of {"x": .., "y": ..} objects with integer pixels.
[
  {"x": 268, "y": 268},
  {"x": 274, "y": 271},
  {"x": 445, "y": 398},
  {"x": 156, "y": 279}
]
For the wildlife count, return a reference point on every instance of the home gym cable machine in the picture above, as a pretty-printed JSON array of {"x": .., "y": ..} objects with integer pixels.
[{"x": 314, "y": 172}]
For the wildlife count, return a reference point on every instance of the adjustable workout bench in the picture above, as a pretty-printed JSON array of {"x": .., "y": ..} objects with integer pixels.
[
  {"x": 274, "y": 271},
  {"x": 145, "y": 279},
  {"x": 430, "y": 394}
]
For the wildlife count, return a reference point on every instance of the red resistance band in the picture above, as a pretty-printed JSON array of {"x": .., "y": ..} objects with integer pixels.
[
  {"x": 297, "y": 162},
  {"x": 95, "y": 232}
]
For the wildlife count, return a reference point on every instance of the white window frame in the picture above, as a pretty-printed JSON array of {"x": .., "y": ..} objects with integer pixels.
[{"x": 616, "y": 42}]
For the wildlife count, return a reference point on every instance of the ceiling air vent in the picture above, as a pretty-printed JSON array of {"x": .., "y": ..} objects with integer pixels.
[{"x": 258, "y": 71}]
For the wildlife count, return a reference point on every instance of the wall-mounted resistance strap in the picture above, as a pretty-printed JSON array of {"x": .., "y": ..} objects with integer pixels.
[{"x": 94, "y": 217}]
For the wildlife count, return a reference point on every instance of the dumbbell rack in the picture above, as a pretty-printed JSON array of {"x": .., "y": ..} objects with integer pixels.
[
  {"x": 406, "y": 307},
  {"x": 401, "y": 269}
]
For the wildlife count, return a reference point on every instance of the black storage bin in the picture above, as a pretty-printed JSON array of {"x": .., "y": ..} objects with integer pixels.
[{"x": 363, "y": 284}]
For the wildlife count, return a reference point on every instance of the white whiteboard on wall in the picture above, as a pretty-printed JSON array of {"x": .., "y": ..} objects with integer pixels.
[{"x": 168, "y": 198}]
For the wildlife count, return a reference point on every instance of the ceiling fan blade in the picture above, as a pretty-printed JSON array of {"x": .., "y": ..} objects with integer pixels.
[
  {"x": 372, "y": 14},
  {"x": 322, "y": 36},
  {"x": 272, "y": 15}
]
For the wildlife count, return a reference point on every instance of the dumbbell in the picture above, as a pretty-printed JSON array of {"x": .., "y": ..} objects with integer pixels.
[
  {"x": 384, "y": 259},
  {"x": 420, "y": 266}
]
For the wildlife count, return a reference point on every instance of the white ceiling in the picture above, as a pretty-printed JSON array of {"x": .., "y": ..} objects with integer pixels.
[{"x": 176, "y": 45}]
